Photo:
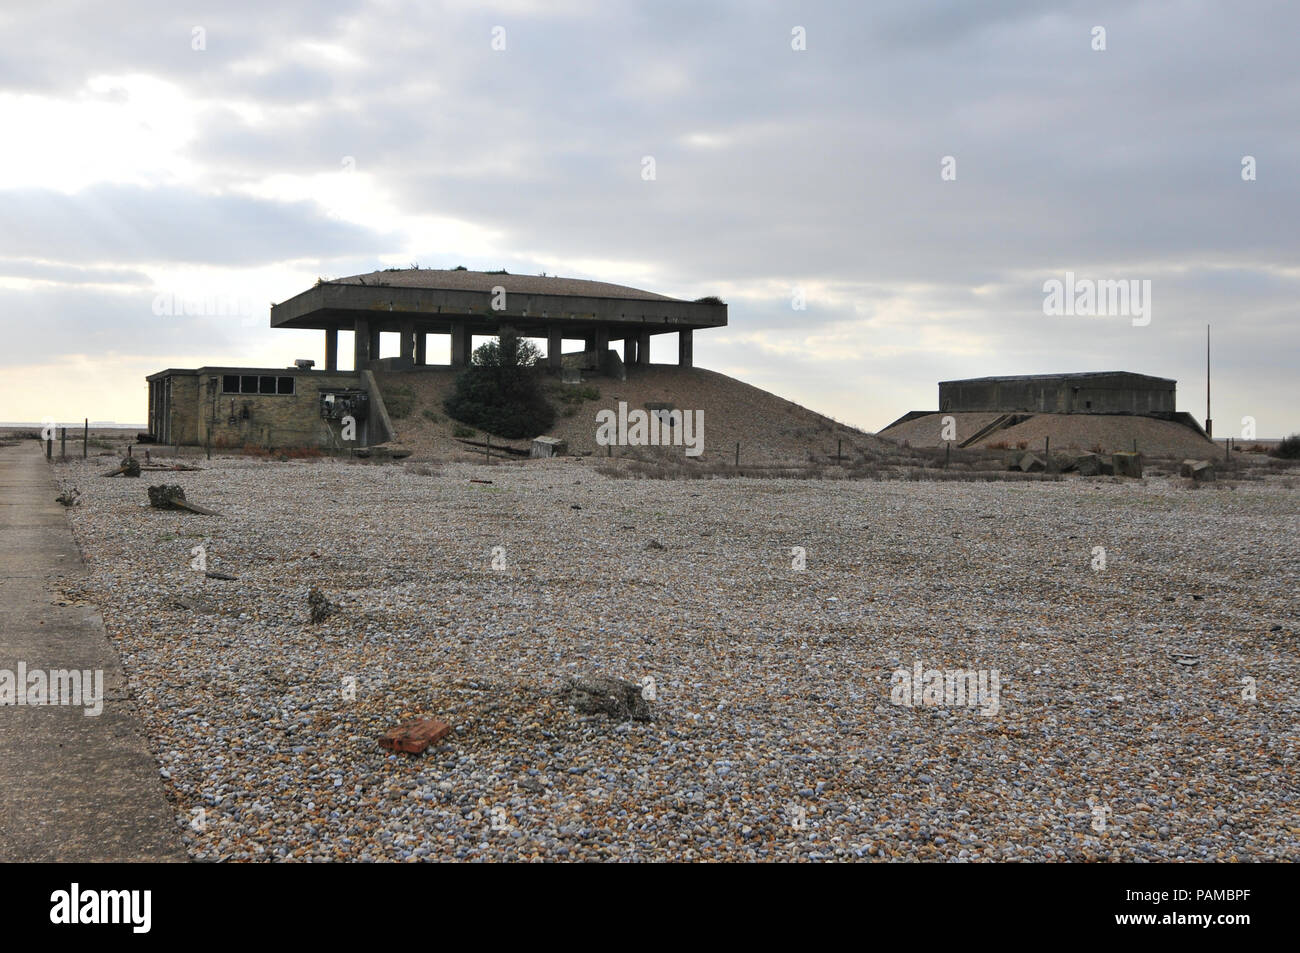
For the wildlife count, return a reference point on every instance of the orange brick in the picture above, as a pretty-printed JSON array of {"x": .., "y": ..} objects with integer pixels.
[{"x": 414, "y": 736}]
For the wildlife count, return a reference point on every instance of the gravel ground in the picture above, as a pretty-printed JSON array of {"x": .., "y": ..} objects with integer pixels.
[{"x": 1121, "y": 731}]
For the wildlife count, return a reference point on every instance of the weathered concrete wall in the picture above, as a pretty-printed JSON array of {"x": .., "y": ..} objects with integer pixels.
[
  {"x": 1107, "y": 394},
  {"x": 199, "y": 409},
  {"x": 180, "y": 410}
]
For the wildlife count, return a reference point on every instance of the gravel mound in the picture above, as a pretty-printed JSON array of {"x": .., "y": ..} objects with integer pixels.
[
  {"x": 1109, "y": 432},
  {"x": 769, "y": 429}
]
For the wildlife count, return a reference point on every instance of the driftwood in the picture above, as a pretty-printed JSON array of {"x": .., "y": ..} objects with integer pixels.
[
  {"x": 498, "y": 448},
  {"x": 169, "y": 496},
  {"x": 129, "y": 467}
]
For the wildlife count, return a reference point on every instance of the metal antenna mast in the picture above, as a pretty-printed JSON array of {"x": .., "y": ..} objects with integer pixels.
[{"x": 1209, "y": 424}]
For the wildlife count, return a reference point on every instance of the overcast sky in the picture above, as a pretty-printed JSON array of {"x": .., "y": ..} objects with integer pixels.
[{"x": 239, "y": 150}]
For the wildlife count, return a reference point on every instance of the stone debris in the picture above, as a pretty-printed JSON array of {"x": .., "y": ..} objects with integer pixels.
[
  {"x": 1028, "y": 463},
  {"x": 69, "y": 497},
  {"x": 771, "y": 685},
  {"x": 596, "y": 694},
  {"x": 190, "y": 604},
  {"x": 1202, "y": 471},
  {"x": 320, "y": 607}
]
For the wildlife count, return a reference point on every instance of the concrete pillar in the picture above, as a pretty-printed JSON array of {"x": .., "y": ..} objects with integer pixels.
[
  {"x": 460, "y": 344},
  {"x": 361, "y": 345},
  {"x": 331, "y": 349},
  {"x": 643, "y": 347},
  {"x": 374, "y": 342},
  {"x": 421, "y": 348},
  {"x": 629, "y": 348},
  {"x": 408, "y": 340},
  {"x": 598, "y": 345},
  {"x": 685, "y": 348},
  {"x": 554, "y": 348}
]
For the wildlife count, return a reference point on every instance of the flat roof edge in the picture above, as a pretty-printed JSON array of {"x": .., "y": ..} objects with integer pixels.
[{"x": 1080, "y": 375}]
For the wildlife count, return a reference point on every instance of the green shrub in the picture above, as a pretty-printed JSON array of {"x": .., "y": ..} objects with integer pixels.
[
  {"x": 430, "y": 414},
  {"x": 1288, "y": 448},
  {"x": 574, "y": 393},
  {"x": 460, "y": 430},
  {"x": 501, "y": 392}
]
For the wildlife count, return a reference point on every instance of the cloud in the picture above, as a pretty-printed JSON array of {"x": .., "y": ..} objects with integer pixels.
[
  {"x": 774, "y": 168},
  {"x": 132, "y": 224}
]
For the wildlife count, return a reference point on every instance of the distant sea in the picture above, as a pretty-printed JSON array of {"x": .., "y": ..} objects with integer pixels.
[{"x": 94, "y": 425}]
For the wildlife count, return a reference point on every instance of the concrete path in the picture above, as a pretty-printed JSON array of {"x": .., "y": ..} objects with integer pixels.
[{"x": 72, "y": 787}]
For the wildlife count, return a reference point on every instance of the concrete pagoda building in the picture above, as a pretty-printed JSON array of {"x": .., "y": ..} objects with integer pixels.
[
  {"x": 418, "y": 302},
  {"x": 301, "y": 406}
]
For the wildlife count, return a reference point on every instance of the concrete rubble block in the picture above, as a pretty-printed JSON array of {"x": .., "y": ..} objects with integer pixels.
[
  {"x": 414, "y": 737},
  {"x": 1202, "y": 471},
  {"x": 1127, "y": 464},
  {"x": 1030, "y": 464},
  {"x": 596, "y": 694},
  {"x": 1088, "y": 464},
  {"x": 548, "y": 447}
]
